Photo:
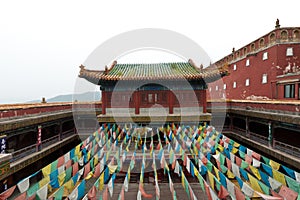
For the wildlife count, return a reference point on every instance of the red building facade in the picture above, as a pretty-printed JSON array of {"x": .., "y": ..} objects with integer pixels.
[
  {"x": 162, "y": 87},
  {"x": 267, "y": 68}
]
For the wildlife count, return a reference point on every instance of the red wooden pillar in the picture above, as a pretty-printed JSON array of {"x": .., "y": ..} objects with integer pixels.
[
  {"x": 204, "y": 102},
  {"x": 296, "y": 91},
  {"x": 171, "y": 102},
  {"x": 137, "y": 102},
  {"x": 103, "y": 102}
]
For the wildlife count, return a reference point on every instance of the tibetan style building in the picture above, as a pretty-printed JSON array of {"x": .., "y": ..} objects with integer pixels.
[
  {"x": 266, "y": 68},
  {"x": 162, "y": 89}
]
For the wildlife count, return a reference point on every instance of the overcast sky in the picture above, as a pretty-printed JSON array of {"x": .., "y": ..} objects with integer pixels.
[{"x": 43, "y": 43}]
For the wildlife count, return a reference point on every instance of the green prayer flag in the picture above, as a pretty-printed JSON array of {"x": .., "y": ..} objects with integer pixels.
[
  {"x": 201, "y": 181},
  {"x": 209, "y": 165},
  {"x": 264, "y": 188},
  {"x": 244, "y": 164},
  {"x": 92, "y": 164},
  {"x": 218, "y": 184},
  {"x": 59, "y": 194},
  {"x": 294, "y": 185},
  {"x": 54, "y": 165},
  {"x": 223, "y": 169},
  {"x": 266, "y": 160},
  {"x": 222, "y": 159},
  {"x": 68, "y": 173},
  {"x": 242, "y": 154},
  {"x": 32, "y": 190}
]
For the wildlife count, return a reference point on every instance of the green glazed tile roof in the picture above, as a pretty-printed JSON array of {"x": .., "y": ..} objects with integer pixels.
[{"x": 157, "y": 71}]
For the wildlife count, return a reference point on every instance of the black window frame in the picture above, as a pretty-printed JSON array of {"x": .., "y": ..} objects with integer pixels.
[{"x": 291, "y": 89}]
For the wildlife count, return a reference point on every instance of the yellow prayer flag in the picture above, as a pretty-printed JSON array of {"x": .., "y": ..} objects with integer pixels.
[
  {"x": 89, "y": 155},
  {"x": 199, "y": 139},
  {"x": 234, "y": 150},
  {"x": 90, "y": 175},
  {"x": 61, "y": 178},
  {"x": 278, "y": 176},
  {"x": 68, "y": 187},
  {"x": 230, "y": 174},
  {"x": 196, "y": 171},
  {"x": 195, "y": 150},
  {"x": 213, "y": 137},
  {"x": 101, "y": 181},
  {"x": 96, "y": 160},
  {"x": 182, "y": 179},
  {"x": 77, "y": 150},
  {"x": 128, "y": 175},
  {"x": 46, "y": 170},
  {"x": 235, "y": 144},
  {"x": 44, "y": 181},
  {"x": 79, "y": 155},
  {"x": 255, "y": 171},
  {"x": 274, "y": 165},
  {"x": 221, "y": 148},
  {"x": 254, "y": 184},
  {"x": 211, "y": 180},
  {"x": 112, "y": 168},
  {"x": 217, "y": 173}
]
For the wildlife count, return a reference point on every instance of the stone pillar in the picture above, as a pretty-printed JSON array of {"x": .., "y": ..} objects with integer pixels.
[
  {"x": 136, "y": 95},
  {"x": 204, "y": 104},
  {"x": 60, "y": 131},
  {"x": 103, "y": 93},
  {"x": 247, "y": 127},
  {"x": 171, "y": 102},
  {"x": 271, "y": 140}
]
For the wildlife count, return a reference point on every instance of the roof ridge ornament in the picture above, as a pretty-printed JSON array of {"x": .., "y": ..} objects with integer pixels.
[
  {"x": 194, "y": 64},
  {"x": 277, "y": 24},
  {"x": 82, "y": 69}
]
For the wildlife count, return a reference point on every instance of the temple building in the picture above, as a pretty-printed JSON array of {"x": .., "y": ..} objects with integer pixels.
[
  {"x": 266, "y": 68},
  {"x": 171, "y": 89}
]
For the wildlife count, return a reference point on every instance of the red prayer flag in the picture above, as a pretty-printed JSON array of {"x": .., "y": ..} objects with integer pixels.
[
  {"x": 61, "y": 161},
  {"x": 256, "y": 155},
  {"x": 75, "y": 169},
  {"x": 238, "y": 194},
  {"x": 86, "y": 170},
  {"x": 223, "y": 193},
  {"x": 32, "y": 197},
  {"x": 219, "y": 165},
  {"x": 105, "y": 194},
  {"x": 275, "y": 194},
  {"x": 122, "y": 194},
  {"x": 21, "y": 196},
  {"x": 92, "y": 193},
  {"x": 228, "y": 162},
  {"x": 144, "y": 194},
  {"x": 248, "y": 159},
  {"x": 238, "y": 161},
  {"x": 185, "y": 160},
  {"x": 288, "y": 193},
  {"x": 97, "y": 171},
  {"x": 68, "y": 164},
  {"x": 173, "y": 164},
  {"x": 7, "y": 193},
  {"x": 207, "y": 191},
  {"x": 204, "y": 160}
]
